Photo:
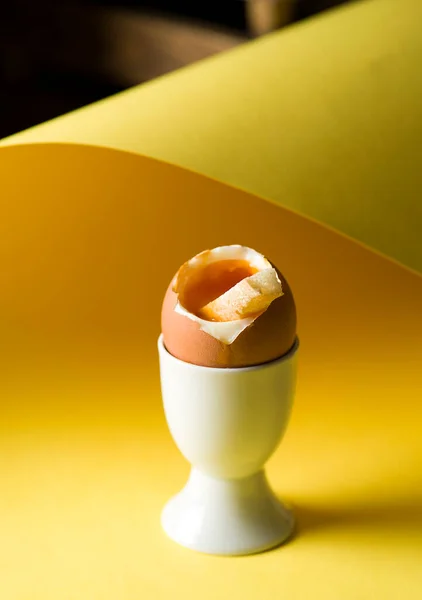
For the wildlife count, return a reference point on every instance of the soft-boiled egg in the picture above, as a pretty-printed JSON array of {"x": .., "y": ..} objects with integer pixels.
[{"x": 228, "y": 307}]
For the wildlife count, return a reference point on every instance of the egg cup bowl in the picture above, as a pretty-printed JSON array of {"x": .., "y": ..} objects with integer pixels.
[{"x": 227, "y": 422}]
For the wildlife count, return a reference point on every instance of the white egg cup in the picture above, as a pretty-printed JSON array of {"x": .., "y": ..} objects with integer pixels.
[{"x": 227, "y": 423}]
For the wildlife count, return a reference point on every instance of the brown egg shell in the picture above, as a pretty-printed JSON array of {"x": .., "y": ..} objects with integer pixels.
[{"x": 270, "y": 336}]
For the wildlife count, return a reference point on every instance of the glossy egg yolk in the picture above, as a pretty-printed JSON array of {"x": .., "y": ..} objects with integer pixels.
[{"x": 211, "y": 281}]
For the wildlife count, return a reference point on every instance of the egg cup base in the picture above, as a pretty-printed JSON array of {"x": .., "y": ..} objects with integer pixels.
[{"x": 227, "y": 517}]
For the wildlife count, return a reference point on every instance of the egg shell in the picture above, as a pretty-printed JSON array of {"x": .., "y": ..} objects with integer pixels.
[{"x": 270, "y": 336}]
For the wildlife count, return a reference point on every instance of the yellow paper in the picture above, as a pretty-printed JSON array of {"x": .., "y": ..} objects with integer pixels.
[
  {"x": 87, "y": 460},
  {"x": 323, "y": 117}
]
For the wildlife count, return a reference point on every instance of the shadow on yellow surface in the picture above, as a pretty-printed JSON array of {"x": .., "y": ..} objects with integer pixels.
[{"x": 386, "y": 516}]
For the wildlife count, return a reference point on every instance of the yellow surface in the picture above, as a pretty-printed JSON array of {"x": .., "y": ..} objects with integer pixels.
[
  {"x": 324, "y": 117},
  {"x": 88, "y": 244}
]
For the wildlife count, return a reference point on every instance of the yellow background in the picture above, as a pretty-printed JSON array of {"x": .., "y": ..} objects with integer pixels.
[
  {"x": 87, "y": 461},
  {"x": 324, "y": 117},
  {"x": 91, "y": 236}
]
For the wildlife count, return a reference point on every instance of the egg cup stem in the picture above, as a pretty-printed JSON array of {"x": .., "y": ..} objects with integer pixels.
[
  {"x": 227, "y": 516},
  {"x": 227, "y": 423}
]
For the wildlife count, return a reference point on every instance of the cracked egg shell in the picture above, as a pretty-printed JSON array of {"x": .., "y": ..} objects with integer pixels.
[{"x": 268, "y": 337}]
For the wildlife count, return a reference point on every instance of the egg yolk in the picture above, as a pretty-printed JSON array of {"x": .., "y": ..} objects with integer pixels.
[{"x": 211, "y": 281}]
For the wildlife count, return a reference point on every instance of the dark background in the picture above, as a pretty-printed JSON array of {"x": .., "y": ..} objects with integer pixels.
[{"x": 58, "y": 56}]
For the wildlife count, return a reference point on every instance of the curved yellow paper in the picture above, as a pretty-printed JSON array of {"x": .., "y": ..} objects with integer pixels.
[
  {"x": 324, "y": 117},
  {"x": 88, "y": 244}
]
